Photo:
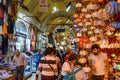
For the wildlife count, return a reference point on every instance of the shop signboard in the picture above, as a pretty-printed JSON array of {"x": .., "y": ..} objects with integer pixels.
[{"x": 43, "y": 5}]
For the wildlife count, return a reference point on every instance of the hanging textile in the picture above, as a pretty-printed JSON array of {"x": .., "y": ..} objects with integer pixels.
[
  {"x": 5, "y": 18},
  {"x": 4, "y": 29},
  {"x": 1, "y": 2},
  {"x": 11, "y": 24},
  {"x": 0, "y": 40},
  {"x": 14, "y": 8},
  {"x": 4, "y": 2},
  {"x": 1, "y": 15},
  {"x": 1, "y": 29},
  {"x": 4, "y": 44}
]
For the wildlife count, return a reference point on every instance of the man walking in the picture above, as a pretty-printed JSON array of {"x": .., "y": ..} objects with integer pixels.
[
  {"x": 98, "y": 62},
  {"x": 20, "y": 61}
]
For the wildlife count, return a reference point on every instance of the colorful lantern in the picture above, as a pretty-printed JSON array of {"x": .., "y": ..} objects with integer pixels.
[
  {"x": 75, "y": 15},
  {"x": 83, "y": 40},
  {"x": 111, "y": 7},
  {"x": 115, "y": 24}
]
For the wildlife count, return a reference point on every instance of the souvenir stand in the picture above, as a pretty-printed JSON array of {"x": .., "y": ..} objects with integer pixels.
[
  {"x": 28, "y": 69},
  {"x": 99, "y": 23}
]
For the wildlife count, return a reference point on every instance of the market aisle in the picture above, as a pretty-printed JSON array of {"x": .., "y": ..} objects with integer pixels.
[{"x": 32, "y": 77}]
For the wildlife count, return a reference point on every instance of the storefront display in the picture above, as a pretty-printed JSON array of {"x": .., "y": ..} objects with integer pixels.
[
  {"x": 28, "y": 69},
  {"x": 21, "y": 36}
]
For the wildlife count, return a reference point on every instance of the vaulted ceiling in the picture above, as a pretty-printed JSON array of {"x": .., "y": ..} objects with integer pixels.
[{"x": 50, "y": 20}]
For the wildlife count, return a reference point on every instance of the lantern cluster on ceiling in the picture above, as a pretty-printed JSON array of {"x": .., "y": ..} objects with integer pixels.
[{"x": 93, "y": 19}]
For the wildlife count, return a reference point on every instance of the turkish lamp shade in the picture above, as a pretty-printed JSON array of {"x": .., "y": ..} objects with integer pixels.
[
  {"x": 97, "y": 30},
  {"x": 86, "y": 69},
  {"x": 78, "y": 5},
  {"x": 75, "y": 15},
  {"x": 82, "y": 60},
  {"x": 90, "y": 32},
  {"x": 95, "y": 14},
  {"x": 118, "y": 38},
  {"x": 79, "y": 34},
  {"x": 92, "y": 6},
  {"x": 99, "y": 22},
  {"x": 109, "y": 33},
  {"x": 88, "y": 16},
  {"x": 87, "y": 45},
  {"x": 93, "y": 38},
  {"x": 80, "y": 24},
  {"x": 83, "y": 53},
  {"x": 88, "y": 23},
  {"x": 84, "y": 10},
  {"x": 84, "y": 29},
  {"x": 77, "y": 39}
]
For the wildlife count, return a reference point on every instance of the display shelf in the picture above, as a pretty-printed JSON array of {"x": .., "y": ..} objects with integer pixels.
[
  {"x": 28, "y": 69},
  {"x": 34, "y": 63}
]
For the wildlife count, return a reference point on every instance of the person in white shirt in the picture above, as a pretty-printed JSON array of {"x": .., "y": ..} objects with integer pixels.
[
  {"x": 20, "y": 61},
  {"x": 98, "y": 62},
  {"x": 68, "y": 65}
]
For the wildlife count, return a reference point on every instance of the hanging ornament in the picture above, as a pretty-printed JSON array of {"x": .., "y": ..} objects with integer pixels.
[
  {"x": 93, "y": 38},
  {"x": 83, "y": 53},
  {"x": 100, "y": 1},
  {"x": 80, "y": 24},
  {"x": 109, "y": 28},
  {"x": 111, "y": 7},
  {"x": 78, "y": 20},
  {"x": 115, "y": 24},
  {"x": 77, "y": 39},
  {"x": 82, "y": 60},
  {"x": 86, "y": 69},
  {"x": 79, "y": 34},
  {"x": 83, "y": 10},
  {"x": 75, "y": 15}
]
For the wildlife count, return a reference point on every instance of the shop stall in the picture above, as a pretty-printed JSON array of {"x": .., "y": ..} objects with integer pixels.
[{"x": 28, "y": 69}]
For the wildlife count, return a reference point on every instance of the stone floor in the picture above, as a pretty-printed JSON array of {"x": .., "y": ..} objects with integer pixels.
[{"x": 33, "y": 77}]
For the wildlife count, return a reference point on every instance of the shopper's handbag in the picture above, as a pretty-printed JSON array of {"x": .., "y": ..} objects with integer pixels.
[
  {"x": 52, "y": 69},
  {"x": 71, "y": 76}
]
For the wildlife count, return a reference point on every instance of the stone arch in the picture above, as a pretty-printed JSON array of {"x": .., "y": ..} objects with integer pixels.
[{"x": 53, "y": 16}]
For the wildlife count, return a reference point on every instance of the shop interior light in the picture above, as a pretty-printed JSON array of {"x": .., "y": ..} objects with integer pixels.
[
  {"x": 55, "y": 9},
  {"x": 68, "y": 7}
]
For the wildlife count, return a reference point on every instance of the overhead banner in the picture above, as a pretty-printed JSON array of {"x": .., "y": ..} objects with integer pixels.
[{"x": 43, "y": 5}]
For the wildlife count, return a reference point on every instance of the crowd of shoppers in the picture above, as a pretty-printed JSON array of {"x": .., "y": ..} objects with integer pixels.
[{"x": 55, "y": 64}]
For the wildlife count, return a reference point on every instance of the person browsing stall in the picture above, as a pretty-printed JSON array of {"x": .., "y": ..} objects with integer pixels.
[{"x": 98, "y": 61}]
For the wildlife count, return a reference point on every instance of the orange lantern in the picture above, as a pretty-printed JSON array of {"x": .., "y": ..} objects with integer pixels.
[
  {"x": 75, "y": 15},
  {"x": 110, "y": 28},
  {"x": 80, "y": 24},
  {"x": 83, "y": 40},
  {"x": 78, "y": 20},
  {"x": 100, "y": 0}
]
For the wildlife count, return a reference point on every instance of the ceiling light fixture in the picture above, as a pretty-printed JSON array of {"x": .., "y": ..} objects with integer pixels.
[{"x": 68, "y": 6}]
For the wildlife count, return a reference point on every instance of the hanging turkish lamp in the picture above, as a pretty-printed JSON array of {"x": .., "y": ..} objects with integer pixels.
[
  {"x": 75, "y": 15},
  {"x": 78, "y": 6},
  {"x": 80, "y": 24},
  {"x": 78, "y": 20}
]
